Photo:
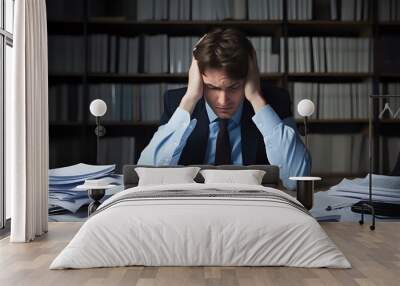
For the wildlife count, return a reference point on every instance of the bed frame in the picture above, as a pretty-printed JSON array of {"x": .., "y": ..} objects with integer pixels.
[{"x": 270, "y": 179}]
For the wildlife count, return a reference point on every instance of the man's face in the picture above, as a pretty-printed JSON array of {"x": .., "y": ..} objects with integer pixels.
[{"x": 223, "y": 94}]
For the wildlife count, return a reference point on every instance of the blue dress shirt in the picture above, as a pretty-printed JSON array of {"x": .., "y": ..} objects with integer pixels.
[
  {"x": 235, "y": 137},
  {"x": 284, "y": 147}
]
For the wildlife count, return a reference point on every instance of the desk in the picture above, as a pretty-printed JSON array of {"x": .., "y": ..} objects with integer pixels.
[
  {"x": 83, "y": 212},
  {"x": 96, "y": 195}
]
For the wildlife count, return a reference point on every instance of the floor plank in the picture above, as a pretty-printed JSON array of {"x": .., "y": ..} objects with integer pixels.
[{"x": 375, "y": 257}]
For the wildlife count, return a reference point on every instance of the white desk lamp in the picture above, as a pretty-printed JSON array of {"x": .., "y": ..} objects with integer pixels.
[
  {"x": 305, "y": 108},
  {"x": 98, "y": 108},
  {"x": 305, "y": 185}
]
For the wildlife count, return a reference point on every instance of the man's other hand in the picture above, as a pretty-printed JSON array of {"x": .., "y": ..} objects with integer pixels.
[
  {"x": 195, "y": 85},
  {"x": 252, "y": 89},
  {"x": 195, "y": 88}
]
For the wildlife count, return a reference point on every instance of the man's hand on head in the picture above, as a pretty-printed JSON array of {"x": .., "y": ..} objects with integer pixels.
[
  {"x": 252, "y": 89},
  {"x": 195, "y": 85},
  {"x": 195, "y": 88}
]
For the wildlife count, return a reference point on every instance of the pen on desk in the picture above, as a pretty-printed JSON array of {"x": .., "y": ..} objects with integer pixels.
[{"x": 338, "y": 206}]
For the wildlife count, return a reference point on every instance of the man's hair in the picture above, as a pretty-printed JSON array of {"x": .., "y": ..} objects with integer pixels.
[{"x": 227, "y": 49}]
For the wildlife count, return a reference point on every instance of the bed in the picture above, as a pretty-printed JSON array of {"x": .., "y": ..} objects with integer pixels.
[{"x": 198, "y": 224}]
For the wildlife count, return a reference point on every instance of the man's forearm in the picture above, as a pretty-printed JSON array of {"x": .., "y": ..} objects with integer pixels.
[
  {"x": 257, "y": 102},
  {"x": 284, "y": 147},
  {"x": 166, "y": 146},
  {"x": 188, "y": 103}
]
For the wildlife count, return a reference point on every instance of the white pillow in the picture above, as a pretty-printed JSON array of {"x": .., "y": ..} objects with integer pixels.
[
  {"x": 249, "y": 177},
  {"x": 164, "y": 176}
]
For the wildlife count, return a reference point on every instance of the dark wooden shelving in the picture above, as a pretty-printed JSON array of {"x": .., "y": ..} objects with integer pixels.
[
  {"x": 130, "y": 123},
  {"x": 141, "y": 129},
  {"x": 348, "y": 121},
  {"x": 55, "y": 78},
  {"x": 333, "y": 126},
  {"x": 106, "y": 124},
  {"x": 65, "y": 27},
  {"x": 389, "y": 127},
  {"x": 137, "y": 78},
  {"x": 183, "y": 76},
  {"x": 315, "y": 126},
  {"x": 389, "y": 23},
  {"x": 329, "y": 28},
  {"x": 176, "y": 28},
  {"x": 329, "y": 76},
  {"x": 125, "y": 26},
  {"x": 393, "y": 26},
  {"x": 116, "y": 129},
  {"x": 334, "y": 121},
  {"x": 298, "y": 121},
  {"x": 159, "y": 77},
  {"x": 389, "y": 76},
  {"x": 281, "y": 28},
  {"x": 65, "y": 130},
  {"x": 65, "y": 123},
  {"x": 128, "y": 27},
  {"x": 179, "y": 23}
]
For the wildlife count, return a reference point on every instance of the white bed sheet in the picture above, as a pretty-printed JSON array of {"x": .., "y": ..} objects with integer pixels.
[{"x": 200, "y": 231}]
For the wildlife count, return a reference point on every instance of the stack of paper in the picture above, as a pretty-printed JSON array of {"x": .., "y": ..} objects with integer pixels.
[
  {"x": 384, "y": 188},
  {"x": 63, "y": 195},
  {"x": 337, "y": 201}
]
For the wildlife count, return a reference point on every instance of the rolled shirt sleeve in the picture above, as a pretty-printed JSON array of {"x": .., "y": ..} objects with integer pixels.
[{"x": 166, "y": 146}]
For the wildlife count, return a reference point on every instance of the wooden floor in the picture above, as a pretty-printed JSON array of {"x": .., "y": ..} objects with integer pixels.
[{"x": 375, "y": 257}]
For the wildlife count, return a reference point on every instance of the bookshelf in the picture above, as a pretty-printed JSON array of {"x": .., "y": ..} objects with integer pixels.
[{"x": 83, "y": 20}]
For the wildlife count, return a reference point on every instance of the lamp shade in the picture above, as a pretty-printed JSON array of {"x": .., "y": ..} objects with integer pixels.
[
  {"x": 98, "y": 107},
  {"x": 305, "y": 107}
]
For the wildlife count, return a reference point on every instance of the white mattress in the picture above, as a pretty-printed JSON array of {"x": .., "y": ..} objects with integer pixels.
[{"x": 200, "y": 231}]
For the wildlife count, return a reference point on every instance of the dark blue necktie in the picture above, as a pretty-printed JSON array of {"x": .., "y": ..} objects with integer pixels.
[{"x": 223, "y": 149}]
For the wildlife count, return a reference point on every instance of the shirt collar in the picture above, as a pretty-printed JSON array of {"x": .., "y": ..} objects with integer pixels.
[{"x": 236, "y": 116}]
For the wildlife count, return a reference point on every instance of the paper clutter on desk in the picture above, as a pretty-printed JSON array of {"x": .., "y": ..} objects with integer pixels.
[
  {"x": 102, "y": 183},
  {"x": 64, "y": 196}
]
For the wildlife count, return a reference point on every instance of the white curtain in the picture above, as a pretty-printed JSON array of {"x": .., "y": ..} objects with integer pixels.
[{"x": 27, "y": 123}]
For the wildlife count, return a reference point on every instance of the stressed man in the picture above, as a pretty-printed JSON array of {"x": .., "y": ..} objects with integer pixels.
[{"x": 225, "y": 115}]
